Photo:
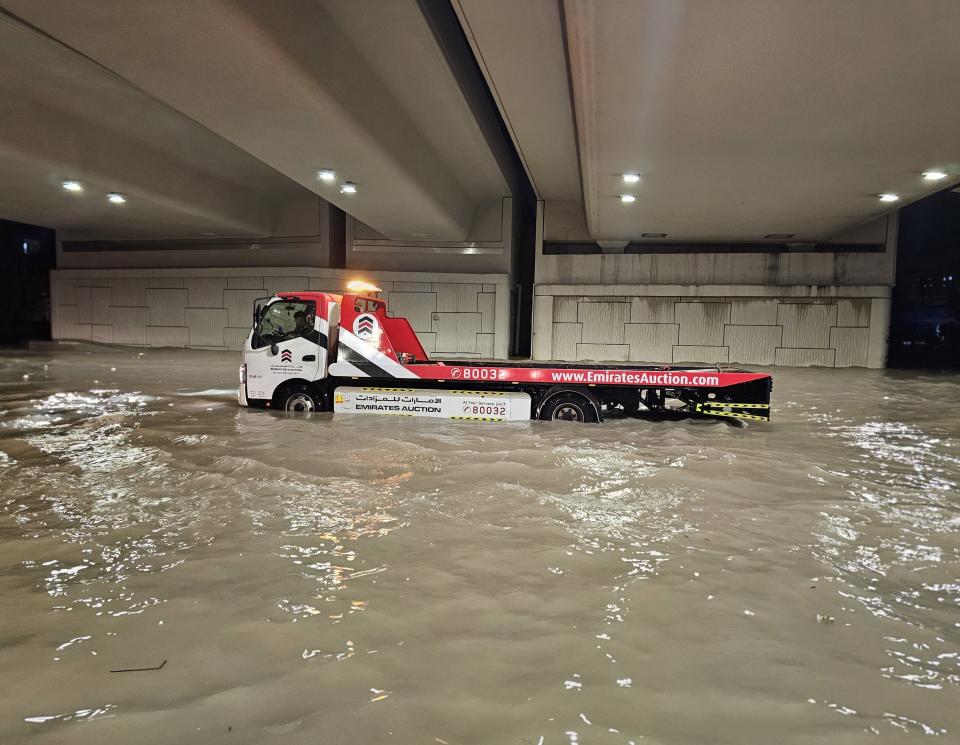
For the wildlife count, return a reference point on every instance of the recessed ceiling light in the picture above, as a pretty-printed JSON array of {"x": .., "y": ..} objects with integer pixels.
[
  {"x": 934, "y": 175},
  {"x": 326, "y": 174},
  {"x": 73, "y": 186},
  {"x": 627, "y": 198},
  {"x": 348, "y": 187},
  {"x": 116, "y": 197},
  {"x": 631, "y": 178},
  {"x": 887, "y": 197}
]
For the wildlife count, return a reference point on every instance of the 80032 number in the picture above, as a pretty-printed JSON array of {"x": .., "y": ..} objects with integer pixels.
[{"x": 485, "y": 409}]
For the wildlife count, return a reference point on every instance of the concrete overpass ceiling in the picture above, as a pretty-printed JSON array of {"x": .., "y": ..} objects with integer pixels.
[
  {"x": 520, "y": 49},
  {"x": 755, "y": 117},
  {"x": 304, "y": 85},
  {"x": 394, "y": 39},
  {"x": 742, "y": 119},
  {"x": 66, "y": 118}
]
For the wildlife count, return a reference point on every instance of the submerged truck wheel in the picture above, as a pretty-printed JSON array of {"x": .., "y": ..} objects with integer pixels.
[
  {"x": 301, "y": 398},
  {"x": 568, "y": 407}
]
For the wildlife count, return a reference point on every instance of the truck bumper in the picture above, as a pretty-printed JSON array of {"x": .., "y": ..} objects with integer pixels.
[{"x": 242, "y": 388}]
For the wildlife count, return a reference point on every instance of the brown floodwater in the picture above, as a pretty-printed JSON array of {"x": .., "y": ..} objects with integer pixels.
[{"x": 311, "y": 579}]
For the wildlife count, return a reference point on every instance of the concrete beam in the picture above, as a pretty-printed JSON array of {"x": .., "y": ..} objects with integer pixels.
[
  {"x": 281, "y": 81},
  {"x": 107, "y": 161}
]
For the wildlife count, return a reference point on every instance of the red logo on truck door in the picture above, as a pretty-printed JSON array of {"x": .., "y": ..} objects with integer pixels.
[
  {"x": 365, "y": 326},
  {"x": 286, "y": 356}
]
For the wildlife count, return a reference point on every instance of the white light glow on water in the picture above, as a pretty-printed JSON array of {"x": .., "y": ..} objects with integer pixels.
[{"x": 409, "y": 569}]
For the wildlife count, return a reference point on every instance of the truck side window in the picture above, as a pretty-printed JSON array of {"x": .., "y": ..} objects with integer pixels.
[{"x": 285, "y": 320}]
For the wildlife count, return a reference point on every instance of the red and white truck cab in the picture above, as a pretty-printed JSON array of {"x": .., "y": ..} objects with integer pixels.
[{"x": 321, "y": 351}]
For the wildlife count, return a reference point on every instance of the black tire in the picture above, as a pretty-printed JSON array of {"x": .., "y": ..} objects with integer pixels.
[
  {"x": 569, "y": 407},
  {"x": 300, "y": 398}
]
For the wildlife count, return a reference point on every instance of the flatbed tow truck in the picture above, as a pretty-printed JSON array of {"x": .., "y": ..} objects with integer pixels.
[{"x": 321, "y": 351}]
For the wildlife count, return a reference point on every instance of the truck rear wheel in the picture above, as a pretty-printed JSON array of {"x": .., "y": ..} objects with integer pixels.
[
  {"x": 568, "y": 407},
  {"x": 301, "y": 398}
]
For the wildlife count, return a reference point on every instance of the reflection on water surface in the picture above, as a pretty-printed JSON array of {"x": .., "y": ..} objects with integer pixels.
[{"x": 316, "y": 579}]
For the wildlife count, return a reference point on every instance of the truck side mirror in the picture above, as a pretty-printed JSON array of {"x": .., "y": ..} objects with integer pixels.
[{"x": 274, "y": 349}]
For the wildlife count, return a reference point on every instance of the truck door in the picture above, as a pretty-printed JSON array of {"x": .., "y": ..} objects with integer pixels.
[{"x": 283, "y": 345}]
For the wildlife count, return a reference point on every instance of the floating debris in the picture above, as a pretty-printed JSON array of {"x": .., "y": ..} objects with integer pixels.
[{"x": 139, "y": 669}]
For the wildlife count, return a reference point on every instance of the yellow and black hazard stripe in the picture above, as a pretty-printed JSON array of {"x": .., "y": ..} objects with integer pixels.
[
  {"x": 736, "y": 415},
  {"x": 480, "y": 418},
  {"x": 724, "y": 404},
  {"x": 733, "y": 410},
  {"x": 479, "y": 393},
  {"x": 389, "y": 390}
]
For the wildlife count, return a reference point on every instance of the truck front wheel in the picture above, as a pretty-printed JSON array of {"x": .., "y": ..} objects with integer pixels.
[{"x": 301, "y": 398}]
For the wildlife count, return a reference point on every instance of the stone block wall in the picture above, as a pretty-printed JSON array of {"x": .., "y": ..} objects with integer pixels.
[
  {"x": 458, "y": 315},
  {"x": 752, "y": 325}
]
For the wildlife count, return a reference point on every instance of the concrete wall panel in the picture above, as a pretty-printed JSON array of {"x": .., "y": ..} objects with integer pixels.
[
  {"x": 164, "y": 283},
  {"x": 239, "y": 305},
  {"x": 416, "y": 307},
  {"x": 603, "y": 352},
  {"x": 745, "y": 324},
  {"x": 428, "y": 340},
  {"x": 456, "y": 297},
  {"x": 453, "y": 329},
  {"x": 102, "y": 333},
  {"x": 753, "y": 345},
  {"x": 753, "y": 311},
  {"x": 168, "y": 336},
  {"x": 603, "y": 322},
  {"x": 414, "y": 287},
  {"x": 129, "y": 325},
  {"x": 84, "y": 304},
  {"x": 233, "y": 338},
  {"x": 565, "y": 309},
  {"x": 129, "y": 292},
  {"x": 245, "y": 283},
  {"x": 205, "y": 292},
  {"x": 854, "y": 312},
  {"x": 805, "y": 357},
  {"x": 487, "y": 304},
  {"x": 701, "y": 324},
  {"x": 694, "y": 353},
  {"x": 166, "y": 307},
  {"x": 64, "y": 322},
  {"x": 206, "y": 326},
  {"x": 653, "y": 309},
  {"x": 273, "y": 285},
  {"x": 211, "y": 308},
  {"x": 651, "y": 342},
  {"x": 851, "y": 345},
  {"x": 566, "y": 337},
  {"x": 99, "y": 304},
  {"x": 485, "y": 345},
  {"x": 806, "y": 325}
]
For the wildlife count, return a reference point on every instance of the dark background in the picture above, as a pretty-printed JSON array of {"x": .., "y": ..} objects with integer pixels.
[
  {"x": 27, "y": 254},
  {"x": 926, "y": 299}
]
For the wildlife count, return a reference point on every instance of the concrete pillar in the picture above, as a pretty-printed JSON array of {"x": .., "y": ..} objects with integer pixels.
[
  {"x": 542, "y": 347},
  {"x": 879, "y": 332},
  {"x": 501, "y": 321}
]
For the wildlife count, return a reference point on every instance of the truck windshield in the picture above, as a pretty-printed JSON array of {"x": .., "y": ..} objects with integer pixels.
[{"x": 283, "y": 320}]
